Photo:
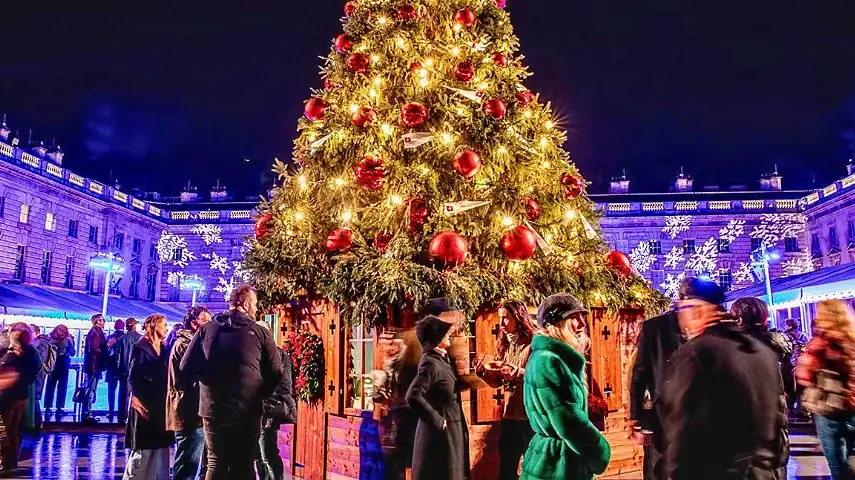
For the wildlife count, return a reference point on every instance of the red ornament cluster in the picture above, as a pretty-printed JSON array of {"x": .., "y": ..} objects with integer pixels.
[
  {"x": 263, "y": 225},
  {"x": 364, "y": 116},
  {"x": 518, "y": 243},
  {"x": 358, "y": 62},
  {"x": 414, "y": 114},
  {"x": 448, "y": 249},
  {"x": 349, "y": 8},
  {"x": 465, "y": 17},
  {"x": 407, "y": 12},
  {"x": 573, "y": 185},
  {"x": 315, "y": 109},
  {"x": 418, "y": 214},
  {"x": 532, "y": 209},
  {"x": 340, "y": 240},
  {"x": 525, "y": 98},
  {"x": 382, "y": 240},
  {"x": 467, "y": 163},
  {"x": 369, "y": 173},
  {"x": 464, "y": 71},
  {"x": 500, "y": 59}
]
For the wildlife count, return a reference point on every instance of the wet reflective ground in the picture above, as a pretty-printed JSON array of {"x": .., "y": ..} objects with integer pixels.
[{"x": 97, "y": 456}]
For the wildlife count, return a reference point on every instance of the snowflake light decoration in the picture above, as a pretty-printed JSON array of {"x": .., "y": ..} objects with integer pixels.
[
  {"x": 174, "y": 278},
  {"x": 674, "y": 258},
  {"x": 210, "y": 233},
  {"x": 195, "y": 278},
  {"x": 239, "y": 272},
  {"x": 744, "y": 274},
  {"x": 733, "y": 230},
  {"x": 775, "y": 226},
  {"x": 171, "y": 247},
  {"x": 797, "y": 266},
  {"x": 225, "y": 287},
  {"x": 677, "y": 224},
  {"x": 642, "y": 257},
  {"x": 706, "y": 258},
  {"x": 671, "y": 285},
  {"x": 219, "y": 263}
]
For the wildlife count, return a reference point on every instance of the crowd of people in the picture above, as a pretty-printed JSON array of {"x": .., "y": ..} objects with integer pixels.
[{"x": 711, "y": 390}]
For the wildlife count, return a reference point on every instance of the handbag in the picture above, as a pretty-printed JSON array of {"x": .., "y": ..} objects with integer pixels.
[
  {"x": 80, "y": 395},
  {"x": 826, "y": 396}
]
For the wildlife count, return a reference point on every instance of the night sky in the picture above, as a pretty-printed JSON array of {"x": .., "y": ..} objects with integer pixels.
[{"x": 157, "y": 93}]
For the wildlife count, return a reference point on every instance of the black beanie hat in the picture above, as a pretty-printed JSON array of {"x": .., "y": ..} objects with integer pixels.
[{"x": 430, "y": 331}]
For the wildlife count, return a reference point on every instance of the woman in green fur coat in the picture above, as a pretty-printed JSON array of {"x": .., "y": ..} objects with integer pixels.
[{"x": 566, "y": 445}]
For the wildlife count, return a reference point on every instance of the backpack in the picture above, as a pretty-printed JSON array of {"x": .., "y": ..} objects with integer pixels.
[{"x": 49, "y": 363}]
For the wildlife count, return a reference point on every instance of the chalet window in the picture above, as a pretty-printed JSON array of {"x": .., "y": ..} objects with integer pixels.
[
  {"x": 46, "y": 264},
  {"x": 69, "y": 272},
  {"x": 21, "y": 263},
  {"x": 93, "y": 234},
  {"x": 656, "y": 247},
  {"x": 725, "y": 279},
  {"x": 25, "y": 213},
  {"x": 361, "y": 364},
  {"x": 174, "y": 294},
  {"x": 689, "y": 246},
  {"x": 72, "y": 228},
  {"x": 723, "y": 245},
  {"x": 756, "y": 244},
  {"x": 50, "y": 221},
  {"x": 791, "y": 244}
]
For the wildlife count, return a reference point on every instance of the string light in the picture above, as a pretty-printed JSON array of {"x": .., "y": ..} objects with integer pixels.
[
  {"x": 298, "y": 215},
  {"x": 396, "y": 200},
  {"x": 339, "y": 181},
  {"x": 570, "y": 214},
  {"x": 312, "y": 137},
  {"x": 346, "y": 216},
  {"x": 546, "y": 164},
  {"x": 549, "y": 125},
  {"x": 372, "y": 93},
  {"x": 401, "y": 43},
  {"x": 458, "y": 27},
  {"x": 455, "y": 51},
  {"x": 375, "y": 58},
  {"x": 387, "y": 129},
  {"x": 429, "y": 62},
  {"x": 548, "y": 238},
  {"x": 446, "y": 138},
  {"x": 507, "y": 221},
  {"x": 423, "y": 73},
  {"x": 527, "y": 114},
  {"x": 476, "y": 79},
  {"x": 354, "y": 108},
  {"x": 424, "y": 82},
  {"x": 425, "y": 170},
  {"x": 382, "y": 20},
  {"x": 530, "y": 189},
  {"x": 378, "y": 81},
  {"x": 544, "y": 142},
  {"x": 483, "y": 86},
  {"x": 302, "y": 181},
  {"x": 503, "y": 150},
  {"x": 460, "y": 111}
]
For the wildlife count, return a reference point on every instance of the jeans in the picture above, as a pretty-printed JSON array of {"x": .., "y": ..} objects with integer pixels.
[
  {"x": 147, "y": 465},
  {"x": 57, "y": 382},
  {"x": 91, "y": 387},
  {"x": 837, "y": 437},
  {"x": 268, "y": 463},
  {"x": 12, "y": 415},
  {"x": 189, "y": 455},
  {"x": 231, "y": 449},
  {"x": 513, "y": 441},
  {"x": 120, "y": 383}
]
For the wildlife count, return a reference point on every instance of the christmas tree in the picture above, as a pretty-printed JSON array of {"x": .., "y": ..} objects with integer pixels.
[{"x": 424, "y": 168}]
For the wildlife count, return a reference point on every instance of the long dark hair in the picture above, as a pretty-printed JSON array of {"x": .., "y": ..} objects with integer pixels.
[{"x": 525, "y": 326}]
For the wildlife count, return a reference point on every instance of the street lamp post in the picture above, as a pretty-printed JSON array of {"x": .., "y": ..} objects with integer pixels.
[
  {"x": 762, "y": 259},
  {"x": 111, "y": 264},
  {"x": 192, "y": 283}
]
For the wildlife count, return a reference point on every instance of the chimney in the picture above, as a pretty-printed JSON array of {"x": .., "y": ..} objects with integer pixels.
[
  {"x": 773, "y": 182},
  {"x": 189, "y": 194},
  {"x": 4, "y": 130},
  {"x": 619, "y": 184},
  {"x": 850, "y": 167},
  {"x": 683, "y": 183},
  {"x": 55, "y": 154},
  {"x": 219, "y": 193}
]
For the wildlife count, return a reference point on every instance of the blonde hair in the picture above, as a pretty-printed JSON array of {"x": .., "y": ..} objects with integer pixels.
[
  {"x": 150, "y": 324},
  {"x": 835, "y": 320},
  {"x": 578, "y": 341}
]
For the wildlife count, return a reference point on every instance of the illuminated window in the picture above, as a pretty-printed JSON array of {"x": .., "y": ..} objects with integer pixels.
[
  {"x": 50, "y": 221},
  {"x": 25, "y": 213},
  {"x": 361, "y": 364}
]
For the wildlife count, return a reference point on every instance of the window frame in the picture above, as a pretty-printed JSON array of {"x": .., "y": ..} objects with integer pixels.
[
  {"x": 725, "y": 273},
  {"x": 93, "y": 234},
  {"x": 68, "y": 282},
  {"x": 24, "y": 217},
  {"x": 791, "y": 245},
  {"x": 833, "y": 239},
  {"x": 690, "y": 246},
  {"x": 73, "y": 226},
  {"x": 364, "y": 337},
  {"x": 47, "y": 266},
  {"x": 20, "y": 272},
  {"x": 655, "y": 246},
  {"x": 50, "y": 221},
  {"x": 723, "y": 245}
]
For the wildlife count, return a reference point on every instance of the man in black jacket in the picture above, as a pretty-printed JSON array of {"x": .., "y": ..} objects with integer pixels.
[
  {"x": 237, "y": 365},
  {"x": 659, "y": 339},
  {"x": 725, "y": 413},
  {"x": 279, "y": 408},
  {"x": 94, "y": 362}
]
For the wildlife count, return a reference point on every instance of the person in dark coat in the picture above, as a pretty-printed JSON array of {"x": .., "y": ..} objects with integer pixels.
[
  {"x": 182, "y": 403},
  {"x": 659, "y": 339},
  {"x": 238, "y": 365},
  {"x": 146, "y": 435},
  {"x": 111, "y": 364},
  {"x": 57, "y": 381},
  {"x": 441, "y": 448},
  {"x": 279, "y": 408},
  {"x": 94, "y": 362},
  {"x": 725, "y": 416},
  {"x": 19, "y": 366},
  {"x": 123, "y": 350},
  {"x": 42, "y": 345}
]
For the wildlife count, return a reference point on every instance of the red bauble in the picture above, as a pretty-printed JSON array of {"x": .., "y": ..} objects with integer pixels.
[
  {"x": 349, "y": 8},
  {"x": 407, "y": 12},
  {"x": 418, "y": 214},
  {"x": 619, "y": 262},
  {"x": 501, "y": 3},
  {"x": 328, "y": 84},
  {"x": 574, "y": 185},
  {"x": 343, "y": 43},
  {"x": 415, "y": 67},
  {"x": 525, "y": 98},
  {"x": 519, "y": 243},
  {"x": 315, "y": 109},
  {"x": 382, "y": 240},
  {"x": 467, "y": 163},
  {"x": 448, "y": 249},
  {"x": 500, "y": 59},
  {"x": 464, "y": 71},
  {"x": 369, "y": 173},
  {"x": 263, "y": 225},
  {"x": 414, "y": 114},
  {"x": 532, "y": 209},
  {"x": 465, "y": 17},
  {"x": 358, "y": 62},
  {"x": 340, "y": 240},
  {"x": 495, "y": 108},
  {"x": 573, "y": 192},
  {"x": 364, "y": 116}
]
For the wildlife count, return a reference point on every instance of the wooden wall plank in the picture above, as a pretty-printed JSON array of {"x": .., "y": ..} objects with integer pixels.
[
  {"x": 310, "y": 441},
  {"x": 487, "y": 403}
]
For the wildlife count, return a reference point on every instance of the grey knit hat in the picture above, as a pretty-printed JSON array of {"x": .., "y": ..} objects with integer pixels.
[{"x": 558, "y": 307}]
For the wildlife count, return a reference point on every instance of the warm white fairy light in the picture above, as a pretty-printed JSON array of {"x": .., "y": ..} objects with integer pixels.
[
  {"x": 476, "y": 79},
  {"x": 429, "y": 62},
  {"x": 375, "y": 58},
  {"x": 387, "y": 129},
  {"x": 354, "y": 108},
  {"x": 401, "y": 43},
  {"x": 527, "y": 114},
  {"x": 396, "y": 199},
  {"x": 298, "y": 215},
  {"x": 530, "y": 189},
  {"x": 301, "y": 180},
  {"x": 346, "y": 216},
  {"x": 425, "y": 170},
  {"x": 546, "y": 164},
  {"x": 455, "y": 51},
  {"x": 483, "y": 86},
  {"x": 549, "y": 125},
  {"x": 548, "y": 238},
  {"x": 339, "y": 181},
  {"x": 503, "y": 150},
  {"x": 382, "y": 20},
  {"x": 378, "y": 81},
  {"x": 312, "y": 137},
  {"x": 458, "y": 27},
  {"x": 544, "y": 142},
  {"x": 460, "y": 111},
  {"x": 570, "y": 214},
  {"x": 372, "y": 93},
  {"x": 507, "y": 221},
  {"x": 424, "y": 82},
  {"x": 446, "y": 138}
]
